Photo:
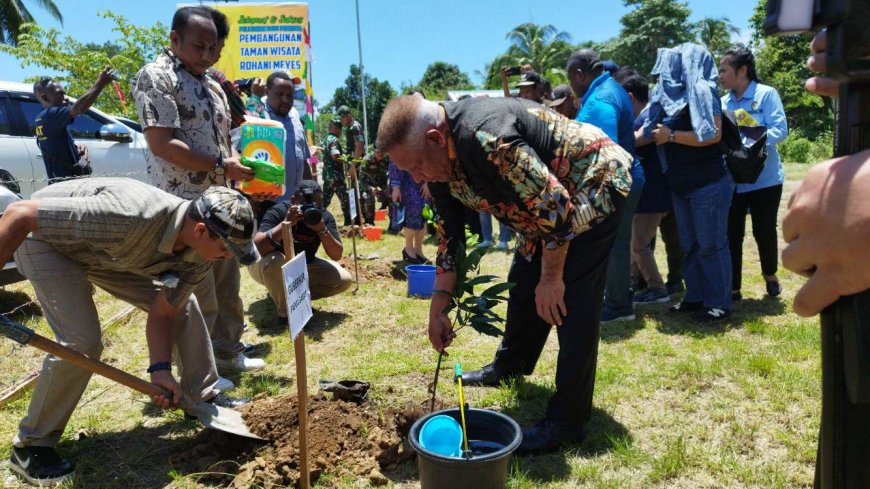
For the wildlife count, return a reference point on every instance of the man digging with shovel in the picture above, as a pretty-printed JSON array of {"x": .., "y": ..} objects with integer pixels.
[{"x": 140, "y": 244}]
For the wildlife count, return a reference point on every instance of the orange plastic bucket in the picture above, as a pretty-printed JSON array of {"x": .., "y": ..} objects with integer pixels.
[
  {"x": 372, "y": 233},
  {"x": 381, "y": 214}
]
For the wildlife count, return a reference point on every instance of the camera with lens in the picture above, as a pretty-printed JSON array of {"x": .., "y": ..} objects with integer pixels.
[
  {"x": 311, "y": 212},
  {"x": 244, "y": 85}
]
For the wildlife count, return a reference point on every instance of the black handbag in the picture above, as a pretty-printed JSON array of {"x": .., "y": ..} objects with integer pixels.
[{"x": 745, "y": 159}]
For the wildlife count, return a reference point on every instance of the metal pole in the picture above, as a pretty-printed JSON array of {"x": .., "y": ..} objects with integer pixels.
[{"x": 362, "y": 82}]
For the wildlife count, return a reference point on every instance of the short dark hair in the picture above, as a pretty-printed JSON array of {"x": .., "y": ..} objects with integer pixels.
[
  {"x": 637, "y": 86},
  {"x": 624, "y": 73},
  {"x": 738, "y": 57},
  {"x": 182, "y": 16},
  {"x": 221, "y": 24},
  {"x": 270, "y": 80},
  {"x": 41, "y": 85},
  {"x": 585, "y": 60}
]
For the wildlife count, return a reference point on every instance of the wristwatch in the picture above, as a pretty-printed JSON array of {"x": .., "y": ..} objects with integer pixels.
[
  {"x": 672, "y": 137},
  {"x": 219, "y": 168}
]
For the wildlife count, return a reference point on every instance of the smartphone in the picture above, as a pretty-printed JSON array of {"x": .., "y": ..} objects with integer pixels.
[{"x": 513, "y": 70}]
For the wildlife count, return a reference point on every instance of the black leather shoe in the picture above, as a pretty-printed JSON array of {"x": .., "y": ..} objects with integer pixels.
[
  {"x": 773, "y": 288},
  {"x": 548, "y": 436},
  {"x": 488, "y": 376}
]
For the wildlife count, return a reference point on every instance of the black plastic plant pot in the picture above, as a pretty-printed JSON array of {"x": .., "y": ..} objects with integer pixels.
[{"x": 497, "y": 433}]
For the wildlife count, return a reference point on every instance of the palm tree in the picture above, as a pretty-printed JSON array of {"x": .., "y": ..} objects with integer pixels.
[
  {"x": 13, "y": 13},
  {"x": 545, "y": 48},
  {"x": 715, "y": 34}
]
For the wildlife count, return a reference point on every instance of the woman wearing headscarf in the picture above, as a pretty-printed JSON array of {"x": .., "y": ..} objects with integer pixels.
[{"x": 685, "y": 121}]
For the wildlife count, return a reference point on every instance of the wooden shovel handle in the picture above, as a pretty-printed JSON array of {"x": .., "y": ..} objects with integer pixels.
[
  {"x": 24, "y": 335},
  {"x": 80, "y": 360}
]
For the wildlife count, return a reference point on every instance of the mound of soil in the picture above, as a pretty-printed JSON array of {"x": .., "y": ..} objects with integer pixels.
[
  {"x": 368, "y": 270},
  {"x": 343, "y": 439}
]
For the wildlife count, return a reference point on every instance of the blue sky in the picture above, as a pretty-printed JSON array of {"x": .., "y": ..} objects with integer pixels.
[{"x": 400, "y": 37}]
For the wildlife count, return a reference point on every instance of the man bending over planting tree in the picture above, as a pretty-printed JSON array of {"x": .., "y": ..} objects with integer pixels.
[{"x": 560, "y": 184}]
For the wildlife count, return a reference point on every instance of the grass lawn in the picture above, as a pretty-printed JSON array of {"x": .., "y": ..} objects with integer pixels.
[{"x": 677, "y": 405}]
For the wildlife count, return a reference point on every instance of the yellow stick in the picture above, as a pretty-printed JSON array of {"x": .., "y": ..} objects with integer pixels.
[{"x": 462, "y": 414}]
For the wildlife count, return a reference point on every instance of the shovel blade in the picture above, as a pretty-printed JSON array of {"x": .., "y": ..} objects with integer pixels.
[{"x": 220, "y": 418}]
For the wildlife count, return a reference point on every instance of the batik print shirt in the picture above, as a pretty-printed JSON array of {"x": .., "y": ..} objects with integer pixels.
[
  {"x": 167, "y": 95},
  {"x": 549, "y": 178}
]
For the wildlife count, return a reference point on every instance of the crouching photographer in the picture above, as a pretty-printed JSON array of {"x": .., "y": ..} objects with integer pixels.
[{"x": 312, "y": 225}]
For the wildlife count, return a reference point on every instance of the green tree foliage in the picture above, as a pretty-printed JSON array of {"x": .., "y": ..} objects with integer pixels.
[
  {"x": 14, "y": 15},
  {"x": 651, "y": 25},
  {"x": 781, "y": 63},
  {"x": 440, "y": 77},
  {"x": 80, "y": 64},
  {"x": 378, "y": 93},
  {"x": 544, "y": 47},
  {"x": 715, "y": 34}
]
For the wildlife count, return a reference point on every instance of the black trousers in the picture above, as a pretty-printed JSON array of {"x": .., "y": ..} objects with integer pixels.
[
  {"x": 675, "y": 254},
  {"x": 526, "y": 333},
  {"x": 763, "y": 205}
]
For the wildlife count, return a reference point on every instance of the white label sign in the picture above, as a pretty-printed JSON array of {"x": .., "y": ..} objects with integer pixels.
[
  {"x": 351, "y": 194},
  {"x": 298, "y": 294}
]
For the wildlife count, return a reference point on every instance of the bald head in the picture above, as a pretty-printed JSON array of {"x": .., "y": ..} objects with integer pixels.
[{"x": 405, "y": 121}]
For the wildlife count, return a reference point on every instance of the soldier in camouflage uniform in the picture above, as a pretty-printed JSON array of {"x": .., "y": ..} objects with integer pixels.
[
  {"x": 334, "y": 178},
  {"x": 373, "y": 184}
]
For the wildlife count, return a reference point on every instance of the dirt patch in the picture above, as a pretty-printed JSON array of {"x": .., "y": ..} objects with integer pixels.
[
  {"x": 369, "y": 270},
  {"x": 344, "y": 439}
]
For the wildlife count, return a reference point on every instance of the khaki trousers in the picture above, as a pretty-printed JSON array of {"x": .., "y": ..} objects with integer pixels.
[
  {"x": 222, "y": 308},
  {"x": 63, "y": 288},
  {"x": 325, "y": 278},
  {"x": 643, "y": 230}
]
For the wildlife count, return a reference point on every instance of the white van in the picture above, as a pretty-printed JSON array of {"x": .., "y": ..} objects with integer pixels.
[{"x": 115, "y": 149}]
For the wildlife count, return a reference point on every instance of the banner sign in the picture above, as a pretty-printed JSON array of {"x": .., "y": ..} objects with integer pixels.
[
  {"x": 298, "y": 293},
  {"x": 264, "y": 37}
]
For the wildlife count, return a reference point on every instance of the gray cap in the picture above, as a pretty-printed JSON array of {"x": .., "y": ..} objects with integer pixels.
[{"x": 228, "y": 214}]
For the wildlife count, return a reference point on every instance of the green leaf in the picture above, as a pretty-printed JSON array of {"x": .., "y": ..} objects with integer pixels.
[
  {"x": 486, "y": 328},
  {"x": 497, "y": 289},
  {"x": 481, "y": 279}
]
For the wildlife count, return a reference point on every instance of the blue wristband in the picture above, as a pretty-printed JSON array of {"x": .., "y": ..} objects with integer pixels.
[{"x": 159, "y": 366}]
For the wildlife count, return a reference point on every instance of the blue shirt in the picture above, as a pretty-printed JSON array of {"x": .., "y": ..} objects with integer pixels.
[
  {"x": 607, "y": 106},
  {"x": 764, "y": 105},
  {"x": 55, "y": 141},
  {"x": 296, "y": 151}
]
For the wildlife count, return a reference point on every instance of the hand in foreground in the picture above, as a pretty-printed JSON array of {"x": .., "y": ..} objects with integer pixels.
[
  {"x": 258, "y": 88},
  {"x": 661, "y": 134},
  {"x": 818, "y": 63},
  {"x": 440, "y": 331},
  {"x": 235, "y": 170},
  {"x": 827, "y": 228},
  {"x": 396, "y": 194},
  {"x": 105, "y": 76},
  {"x": 164, "y": 379},
  {"x": 550, "y": 300}
]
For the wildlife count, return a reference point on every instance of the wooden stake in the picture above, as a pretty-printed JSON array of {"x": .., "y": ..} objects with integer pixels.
[
  {"x": 301, "y": 374},
  {"x": 355, "y": 185},
  {"x": 16, "y": 390}
]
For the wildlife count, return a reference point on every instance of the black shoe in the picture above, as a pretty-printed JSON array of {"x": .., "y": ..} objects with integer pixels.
[
  {"x": 773, "y": 288},
  {"x": 736, "y": 296},
  {"x": 40, "y": 466},
  {"x": 411, "y": 260},
  {"x": 710, "y": 315},
  {"x": 548, "y": 436},
  {"x": 686, "y": 307},
  {"x": 488, "y": 376}
]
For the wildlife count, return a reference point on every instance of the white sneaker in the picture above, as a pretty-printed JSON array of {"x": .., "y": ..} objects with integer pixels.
[
  {"x": 224, "y": 384},
  {"x": 241, "y": 362}
]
